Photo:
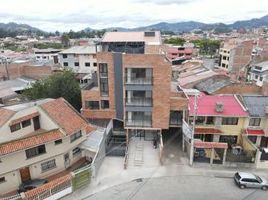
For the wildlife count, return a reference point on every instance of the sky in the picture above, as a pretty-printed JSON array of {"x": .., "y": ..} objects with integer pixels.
[{"x": 64, "y": 15}]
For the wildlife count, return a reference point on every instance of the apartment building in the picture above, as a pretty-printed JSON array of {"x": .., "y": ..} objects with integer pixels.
[
  {"x": 39, "y": 139},
  {"x": 235, "y": 55},
  {"x": 135, "y": 89},
  {"x": 81, "y": 59},
  {"x": 47, "y": 55},
  {"x": 259, "y": 73}
]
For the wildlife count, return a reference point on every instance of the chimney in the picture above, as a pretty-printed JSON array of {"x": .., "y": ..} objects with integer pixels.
[{"x": 219, "y": 107}]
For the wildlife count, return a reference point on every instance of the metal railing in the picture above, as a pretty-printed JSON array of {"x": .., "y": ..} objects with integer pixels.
[
  {"x": 13, "y": 197},
  {"x": 133, "y": 80},
  {"x": 139, "y": 101}
]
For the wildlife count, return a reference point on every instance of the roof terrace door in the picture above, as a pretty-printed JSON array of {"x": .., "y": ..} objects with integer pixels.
[{"x": 36, "y": 123}]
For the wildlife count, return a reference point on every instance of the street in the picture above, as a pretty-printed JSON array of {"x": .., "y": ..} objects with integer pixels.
[{"x": 180, "y": 187}]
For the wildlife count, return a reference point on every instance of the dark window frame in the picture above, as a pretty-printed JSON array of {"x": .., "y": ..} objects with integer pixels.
[
  {"x": 75, "y": 136},
  {"x": 2, "y": 179},
  {"x": 57, "y": 142},
  {"x": 104, "y": 104},
  {"x": 87, "y": 64},
  {"x": 92, "y": 105},
  {"x": 76, "y": 64},
  {"x": 65, "y": 64},
  {"x": 26, "y": 123},
  {"x": 15, "y": 127},
  {"x": 230, "y": 120},
  {"x": 35, "y": 151},
  {"x": 255, "y": 121}
]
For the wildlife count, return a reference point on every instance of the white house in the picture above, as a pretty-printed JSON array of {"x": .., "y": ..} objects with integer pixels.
[{"x": 259, "y": 73}]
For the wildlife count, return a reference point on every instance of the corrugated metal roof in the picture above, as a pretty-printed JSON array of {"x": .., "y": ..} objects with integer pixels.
[{"x": 256, "y": 105}]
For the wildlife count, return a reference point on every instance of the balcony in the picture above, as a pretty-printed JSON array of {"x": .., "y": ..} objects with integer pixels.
[
  {"x": 132, "y": 80},
  {"x": 141, "y": 101},
  {"x": 142, "y": 122}
]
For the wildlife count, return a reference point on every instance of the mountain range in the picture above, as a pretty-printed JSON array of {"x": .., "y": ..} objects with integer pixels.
[{"x": 18, "y": 29}]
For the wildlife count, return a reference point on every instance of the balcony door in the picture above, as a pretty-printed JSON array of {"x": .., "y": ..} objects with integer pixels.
[{"x": 25, "y": 174}]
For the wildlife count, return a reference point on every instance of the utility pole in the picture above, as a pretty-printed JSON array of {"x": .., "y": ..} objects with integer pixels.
[{"x": 193, "y": 130}]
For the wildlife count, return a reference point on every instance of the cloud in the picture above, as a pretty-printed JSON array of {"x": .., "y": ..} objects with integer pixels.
[{"x": 166, "y": 2}]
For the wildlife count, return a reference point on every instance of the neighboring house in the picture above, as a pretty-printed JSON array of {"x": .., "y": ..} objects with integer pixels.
[
  {"x": 219, "y": 123},
  {"x": 39, "y": 139},
  {"x": 179, "y": 52},
  {"x": 235, "y": 56},
  {"x": 259, "y": 73},
  {"x": 47, "y": 55},
  {"x": 81, "y": 59},
  {"x": 256, "y": 126}
]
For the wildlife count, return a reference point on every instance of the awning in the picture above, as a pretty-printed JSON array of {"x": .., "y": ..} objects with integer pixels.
[
  {"x": 253, "y": 132},
  {"x": 207, "y": 131},
  {"x": 210, "y": 145},
  {"x": 93, "y": 141}
]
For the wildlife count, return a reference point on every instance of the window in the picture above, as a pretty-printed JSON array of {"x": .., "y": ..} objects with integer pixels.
[
  {"x": 254, "y": 122},
  {"x": 2, "y": 179},
  {"x": 93, "y": 105},
  {"x": 95, "y": 64},
  {"x": 200, "y": 120},
  {"x": 76, "y": 152},
  {"x": 45, "y": 166},
  {"x": 76, "y": 136},
  {"x": 224, "y": 57},
  {"x": 261, "y": 78},
  {"x": 223, "y": 65},
  {"x": 44, "y": 57},
  {"x": 104, "y": 104},
  {"x": 253, "y": 139},
  {"x": 26, "y": 123},
  {"x": 104, "y": 88},
  {"x": 76, "y": 64},
  {"x": 210, "y": 120},
  {"x": 256, "y": 76},
  {"x": 103, "y": 69},
  {"x": 57, "y": 142},
  {"x": 35, "y": 151},
  {"x": 38, "y": 57},
  {"x": 87, "y": 64},
  {"x": 65, "y": 64},
  {"x": 230, "y": 121},
  {"x": 64, "y": 55},
  {"x": 15, "y": 127}
]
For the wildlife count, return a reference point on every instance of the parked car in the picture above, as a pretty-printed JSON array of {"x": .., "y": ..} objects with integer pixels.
[
  {"x": 249, "y": 180},
  {"x": 31, "y": 184}
]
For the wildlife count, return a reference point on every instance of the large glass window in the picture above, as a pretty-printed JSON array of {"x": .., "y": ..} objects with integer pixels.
[{"x": 26, "y": 123}]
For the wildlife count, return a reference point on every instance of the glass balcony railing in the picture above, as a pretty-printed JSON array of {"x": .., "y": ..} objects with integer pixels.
[
  {"x": 143, "y": 122},
  {"x": 134, "y": 101},
  {"x": 132, "y": 80}
]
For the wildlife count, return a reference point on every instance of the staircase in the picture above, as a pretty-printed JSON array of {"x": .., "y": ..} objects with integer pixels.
[{"x": 136, "y": 151}]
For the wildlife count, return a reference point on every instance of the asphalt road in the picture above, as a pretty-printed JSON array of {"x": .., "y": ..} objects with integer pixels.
[{"x": 180, "y": 187}]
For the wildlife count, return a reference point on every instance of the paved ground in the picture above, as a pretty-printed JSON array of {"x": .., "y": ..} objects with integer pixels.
[{"x": 180, "y": 187}]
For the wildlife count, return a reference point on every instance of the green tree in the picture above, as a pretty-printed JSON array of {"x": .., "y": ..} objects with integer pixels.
[
  {"x": 175, "y": 41},
  {"x": 57, "y": 85},
  {"x": 65, "y": 40},
  {"x": 207, "y": 46}
]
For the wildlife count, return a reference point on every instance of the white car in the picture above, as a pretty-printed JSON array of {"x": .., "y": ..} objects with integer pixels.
[{"x": 249, "y": 180}]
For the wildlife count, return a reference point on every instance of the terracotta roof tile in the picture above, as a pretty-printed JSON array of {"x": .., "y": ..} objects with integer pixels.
[
  {"x": 5, "y": 115},
  {"x": 30, "y": 116},
  {"x": 65, "y": 115},
  {"x": 52, "y": 184},
  {"x": 207, "y": 131},
  {"x": 210, "y": 145},
  {"x": 90, "y": 128},
  {"x": 26, "y": 143}
]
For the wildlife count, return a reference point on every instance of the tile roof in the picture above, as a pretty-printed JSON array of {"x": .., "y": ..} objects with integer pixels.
[
  {"x": 30, "y": 116},
  {"x": 256, "y": 105},
  {"x": 50, "y": 185},
  {"x": 65, "y": 115},
  {"x": 26, "y": 143},
  {"x": 5, "y": 115},
  {"x": 206, "y": 105}
]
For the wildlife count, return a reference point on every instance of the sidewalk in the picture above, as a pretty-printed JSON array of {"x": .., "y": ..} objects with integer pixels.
[{"x": 112, "y": 173}]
